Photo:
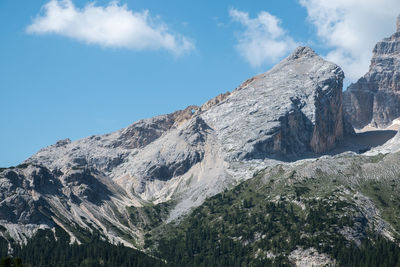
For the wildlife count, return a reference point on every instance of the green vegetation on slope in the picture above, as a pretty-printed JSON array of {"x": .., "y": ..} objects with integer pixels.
[
  {"x": 49, "y": 249},
  {"x": 261, "y": 221},
  {"x": 149, "y": 216}
]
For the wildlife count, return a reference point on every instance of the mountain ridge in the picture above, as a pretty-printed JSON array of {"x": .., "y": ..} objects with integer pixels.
[
  {"x": 283, "y": 129},
  {"x": 184, "y": 157}
]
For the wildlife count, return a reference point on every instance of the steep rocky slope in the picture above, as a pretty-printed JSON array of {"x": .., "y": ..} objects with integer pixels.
[
  {"x": 33, "y": 197},
  {"x": 293, "y": 108},
  {"x": 175, "y": 161},
  {"x": 375, "y": 98}
]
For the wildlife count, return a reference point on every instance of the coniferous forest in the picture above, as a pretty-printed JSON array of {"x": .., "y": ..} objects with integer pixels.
[{"x": 49, "y": 249}]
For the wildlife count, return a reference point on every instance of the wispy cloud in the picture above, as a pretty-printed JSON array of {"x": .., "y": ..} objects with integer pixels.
[
  {"x": 263, "y": 39},
  {"x": 350, "y": 28},
  {"x": 113, "y": 25}
]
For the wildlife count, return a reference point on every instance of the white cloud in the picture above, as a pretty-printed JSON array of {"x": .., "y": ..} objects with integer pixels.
[
  {"x": 263, "y": 40},
  {"x": 350, "y": 28},
  {"x": 111, "y": 26}
]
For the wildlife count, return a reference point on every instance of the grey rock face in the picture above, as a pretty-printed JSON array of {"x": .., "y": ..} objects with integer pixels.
[
  {"x": 375, "y": 98},
  {"x": 34, "y": 197},
  {"x": 172, "y": 155},
  {"x": 293, "y": 108},
  {"x": 17, "y": 204}
]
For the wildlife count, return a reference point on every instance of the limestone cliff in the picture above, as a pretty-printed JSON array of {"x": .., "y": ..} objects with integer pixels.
[
  {"x": 293, "y": 108},
  {"x": 375, "y": 98}
]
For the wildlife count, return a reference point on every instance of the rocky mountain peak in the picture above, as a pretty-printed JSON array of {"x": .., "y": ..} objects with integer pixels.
[
  {"x": 375, "y": 98},
  {"x": 398, "y": 23},
  {"x": 302, "y": 51},
  {"x": 295, "y": 107}
]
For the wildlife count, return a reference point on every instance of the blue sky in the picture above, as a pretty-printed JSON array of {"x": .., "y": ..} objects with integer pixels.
[{"x": 76, "y": 68}]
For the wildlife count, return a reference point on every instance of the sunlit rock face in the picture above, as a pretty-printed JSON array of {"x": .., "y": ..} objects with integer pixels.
[
  {"x": 293, "y": 108},
  {"x": 375, "y": 98}
]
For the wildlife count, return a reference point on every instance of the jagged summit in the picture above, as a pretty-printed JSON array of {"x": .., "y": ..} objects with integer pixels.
[
  {"x": 302, "y": 51},
  {"x": 398, "y": 23},
  {"x": 280, "y": 112},
  {"x": 375, "y": 98}
]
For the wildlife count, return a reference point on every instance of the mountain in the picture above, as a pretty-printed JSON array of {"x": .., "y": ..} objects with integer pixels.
[
  {"x": 375, "y": 98},
  {"x": 266, "y": 174},
  {"x": 180, "y": 158}
]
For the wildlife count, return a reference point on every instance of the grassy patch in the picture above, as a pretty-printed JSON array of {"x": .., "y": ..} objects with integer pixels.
[
  {"x": 149, "y": 216},
  {"x": 386, "y": 196}
]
